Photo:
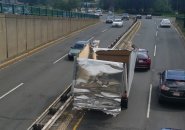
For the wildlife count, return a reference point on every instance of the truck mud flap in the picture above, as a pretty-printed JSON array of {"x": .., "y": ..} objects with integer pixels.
[{"x": 124, "y": 103}]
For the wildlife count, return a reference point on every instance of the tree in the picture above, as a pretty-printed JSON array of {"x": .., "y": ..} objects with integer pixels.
[
  {"x": 64, "y": 4},
  {"x": 162, "y": 5}
]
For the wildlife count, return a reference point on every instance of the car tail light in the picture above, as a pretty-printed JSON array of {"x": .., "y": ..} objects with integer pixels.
[
  {"x": 149, "y": 61},
  {"x": 165, "y": 88}
]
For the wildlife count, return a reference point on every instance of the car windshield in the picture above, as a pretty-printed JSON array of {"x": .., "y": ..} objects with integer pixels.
[
  {"x": 142, "y": 55},
  {"x": 125, "y": 14},
  {"x": 78, "y": 46},
  {"x": 110, "y": 17},
  {"x": 175, "y": 83},
  {"x": 166, "y": 21},
  {"x": 117, "y": 20}
]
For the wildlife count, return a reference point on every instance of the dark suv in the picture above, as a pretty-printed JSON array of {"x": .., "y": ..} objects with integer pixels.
[{"x": 172, "y": 86}]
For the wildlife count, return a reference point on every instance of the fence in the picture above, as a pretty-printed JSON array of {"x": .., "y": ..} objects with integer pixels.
[
  {"x": 181, "y": 23},
  {"x": 33, "y": 10}
]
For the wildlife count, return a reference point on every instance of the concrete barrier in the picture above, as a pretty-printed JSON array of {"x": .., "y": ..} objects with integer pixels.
[
  {"x": 20, "y": 33},
  {"x": 30, "y": 32},
  {"x": 3, "y": 43},
  {"x": 37, "y": 31},
  {"x": 44, "y": 30},
  {"x": 11, "y": 28}
]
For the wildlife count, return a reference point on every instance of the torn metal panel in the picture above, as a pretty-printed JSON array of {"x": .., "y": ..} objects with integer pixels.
[{"x": 98, "y": 85}]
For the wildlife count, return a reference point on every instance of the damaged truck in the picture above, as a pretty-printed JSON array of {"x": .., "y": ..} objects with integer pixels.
[{"x": 102, "y": 79}]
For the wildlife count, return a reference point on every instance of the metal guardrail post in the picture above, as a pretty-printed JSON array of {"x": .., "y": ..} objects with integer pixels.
[
  {"x": 52, "y": 12},
  {"x": 1, "y": 8},
  {"x": 13, "y": 9},
  {"x": 57, "y": 13},
  {"x": 23, "y": 10},
  {"x": 46, "y": 12},
  {"x": 39, "y": 11},
  {"x": 31, "y": 10}
]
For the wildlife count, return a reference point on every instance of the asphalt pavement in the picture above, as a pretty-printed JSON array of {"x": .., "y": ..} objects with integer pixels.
[
  {"x": 167, "y": 51},
  {"x": 29, "y": 86}
]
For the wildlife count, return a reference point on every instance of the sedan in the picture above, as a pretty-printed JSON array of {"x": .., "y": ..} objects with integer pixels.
[
  {"x": 143, "y": 60},
  {"x": 172, "y": 86},
  {"x": 148, "y": 16},
  {"x": 125, "y": 16},
  {"x": 117, "y": 23},
  {"x": 75, "y": 50},
  {"x": 109, "y": 19},
  {"x": 138, "y": 16},
  {"x": 165, "y": 23}
]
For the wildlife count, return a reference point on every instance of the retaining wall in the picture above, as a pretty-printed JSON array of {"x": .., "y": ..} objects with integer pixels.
[{"x": 20, "y": 33}]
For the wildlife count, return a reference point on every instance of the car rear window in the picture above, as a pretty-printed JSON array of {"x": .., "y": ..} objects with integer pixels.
[
  {"x": 117, "y": 20},
  {"x": 142, "y": 55},
  {"x": 175, "y": 83},
  {"x": 78, "y": 46}
]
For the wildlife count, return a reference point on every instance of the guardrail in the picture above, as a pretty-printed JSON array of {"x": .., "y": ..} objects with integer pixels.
[
  {"x": 55, "y": 110},
  {"x": 20, "y": 9},
  {"x": 122, "y": 36},
  {"x": 181, "y": 21}
]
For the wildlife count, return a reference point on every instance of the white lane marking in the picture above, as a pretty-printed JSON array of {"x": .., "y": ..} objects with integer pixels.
[
  {"x": 149, "y": 101},
  {"x": 155, "y": 50},
  {"x": 156, "y": 33},
  {"x": 59, "y": 59},
  {"x": 104, "y": 30},
  {"x": 11, "y": 90},
  {"x": 90, "y": 38}
]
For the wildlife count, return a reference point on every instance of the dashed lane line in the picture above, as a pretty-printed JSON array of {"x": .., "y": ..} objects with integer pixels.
[
  {"x": 149, "y": 101},
  {"x": 155, "y": 50},
  {"x": 11, "y": 91},
  {"x": 60, "y": 59}
]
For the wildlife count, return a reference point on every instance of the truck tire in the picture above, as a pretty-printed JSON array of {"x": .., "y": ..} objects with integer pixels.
[{"x": 124, "y": 103}]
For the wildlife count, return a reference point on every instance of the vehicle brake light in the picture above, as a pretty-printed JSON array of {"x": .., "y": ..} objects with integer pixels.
[
  {"x": 149, "y": 60},
  {"x": 165, "y": 88}
]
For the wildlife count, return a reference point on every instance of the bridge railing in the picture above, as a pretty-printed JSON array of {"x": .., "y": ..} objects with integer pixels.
[{"x": 19, "y": 9}]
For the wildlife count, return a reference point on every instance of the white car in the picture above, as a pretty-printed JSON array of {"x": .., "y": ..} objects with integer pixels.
[
  {"x": 165, "y": 23},
  {"x": 117, "y": 23}
]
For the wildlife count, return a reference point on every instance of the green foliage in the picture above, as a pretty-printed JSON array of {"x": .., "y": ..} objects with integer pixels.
[
  {"x": 64, "y": 4},
  {"x": 162, "y": 6},
  {"x": 143, "y": 6}
]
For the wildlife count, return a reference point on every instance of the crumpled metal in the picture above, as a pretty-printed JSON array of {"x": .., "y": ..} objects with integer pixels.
[{"x": 97, "y": 85}]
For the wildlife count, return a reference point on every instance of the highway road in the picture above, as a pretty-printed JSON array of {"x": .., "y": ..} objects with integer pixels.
[
  {"x": 167, "y": 51},
  {"x": 29, "y": 86}
]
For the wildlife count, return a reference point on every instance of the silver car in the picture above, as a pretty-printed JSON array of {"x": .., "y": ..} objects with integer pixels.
[
  {"x": 117, "y": 23},
  {"x": 165, "y": 23}
]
